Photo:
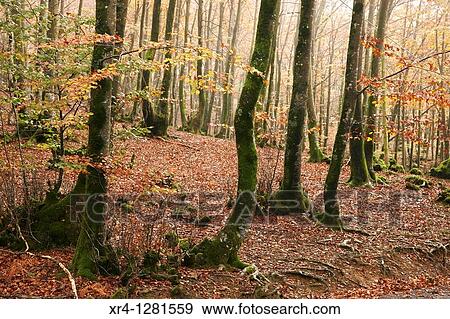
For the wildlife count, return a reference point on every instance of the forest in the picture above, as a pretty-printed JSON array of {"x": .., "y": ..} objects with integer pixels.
[{"x": 224, "y": 149}]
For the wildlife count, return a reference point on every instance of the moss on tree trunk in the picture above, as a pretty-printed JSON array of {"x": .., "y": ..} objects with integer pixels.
[
  {"x": 224, "y": 247},
  {"x": 331, "y": 216},
  {"x": 56, "y": 223},
  {"x": 291, "y": 197},
  {"x": 92, "y": 255}
]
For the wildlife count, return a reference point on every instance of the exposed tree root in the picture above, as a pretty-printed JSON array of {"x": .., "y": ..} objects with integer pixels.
[{"x": 306, "y": 275}]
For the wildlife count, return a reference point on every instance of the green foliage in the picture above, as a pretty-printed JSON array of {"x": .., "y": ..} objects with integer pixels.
[
  {"x": 133, "y": 132},
  {"x": 151, "y": 260}
]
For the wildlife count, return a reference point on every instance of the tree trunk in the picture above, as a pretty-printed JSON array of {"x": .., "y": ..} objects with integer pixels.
[
  {"x": 147, "y": 110},
  {"x": 223, "y": 249},
  {"x": 121, "y": 20},
  {"x": 358, "y": 165},
  {"x": 229, "y": 76},
  {"x": 161, "y": 115},
  {"x": 291, "y": 197},
  {"x": 197, "y": 121},
  {"x": 331, "y": 215},
  {"x": 372, "y": 99},
  {"x": 91, "y": 255}
]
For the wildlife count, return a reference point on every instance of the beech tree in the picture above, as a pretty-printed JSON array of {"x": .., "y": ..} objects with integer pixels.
[
  {"x": 291, "y": 197},
  {"x": 92, "y": 256},
  {"x": 331, "y": 215},
  {"x": 372, "y": 100},
  {"x": 224, "y": 247}
]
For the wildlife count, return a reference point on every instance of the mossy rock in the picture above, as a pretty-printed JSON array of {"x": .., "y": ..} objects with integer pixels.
[
  {"x": 416, "y": 171},
  {"x": 178, "y": 292},
  {"x": 379, "y": 164},
  {"x": 54, "y": 222},
  {"x": 442, "y": 170},
  {"x": 151, "y": 260},
  {"x": 184, "y": 244},
  {"x": 444, "y": 196},
  {"x": 121, "y": 293},
  {"x": 171, "y": 239},
  {"x": 395, "y": 167},
  {"x": 416, "y": 182}
]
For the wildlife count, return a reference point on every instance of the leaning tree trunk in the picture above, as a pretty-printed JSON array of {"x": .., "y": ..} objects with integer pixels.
[
  {"x": 331, "y": 215},
  {"x": 291, "y": 197},
  {"x": 223, "y": 248},
  {"x": 369, "y": 146},
  {"x": 161, "y": 114},
  {"x": 92, "y": 256}
]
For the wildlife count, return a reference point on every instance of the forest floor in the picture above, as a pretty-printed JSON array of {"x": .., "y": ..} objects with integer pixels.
[{"x": 400, "y": 252}]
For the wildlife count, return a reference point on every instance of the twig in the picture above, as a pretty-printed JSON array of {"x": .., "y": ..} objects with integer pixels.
[{"x": 406, "y": 68}]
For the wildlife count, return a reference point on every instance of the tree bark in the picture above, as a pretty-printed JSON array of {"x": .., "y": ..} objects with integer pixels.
[
  {"x": 223, "y": 249},
  {"x": 291, "y": 197},
  {"x": 147, "y": 110},
  {"x": 161, "y": 115},
  {"x": 372, "y": 99},
  {"x": 91, "y": 255},
  {"x": 331, "y": 215}
]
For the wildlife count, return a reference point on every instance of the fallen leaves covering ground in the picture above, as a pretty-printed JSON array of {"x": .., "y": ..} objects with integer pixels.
[{"x": 403, "y": 256}]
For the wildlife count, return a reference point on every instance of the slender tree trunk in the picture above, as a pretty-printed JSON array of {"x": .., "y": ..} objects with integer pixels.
[
  {"x": 121, "y": 20},
  {"x": 149, "y": 55},
  {"x": 331, "y": 215},
  {"x": 373, "y": 98},
  {"x": 358, "y": 165},
  {"x": 315, "y": 152},
  {"x": 229, "y": 76},
  {"x": 197, "y": 122},
  {"x": 217, "y": 62},
  {"x": 181, "y": 94},
  {"x": 223, "y": 248},
  {"x": 161, "y": 116}
]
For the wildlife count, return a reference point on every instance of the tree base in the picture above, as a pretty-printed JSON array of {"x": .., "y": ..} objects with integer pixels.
[
  {"x": 290, "y": 202},
  {"x": 220, "y": 250}
]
